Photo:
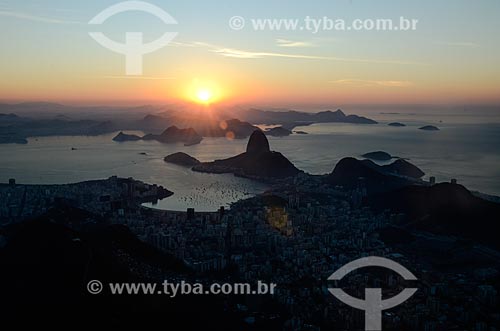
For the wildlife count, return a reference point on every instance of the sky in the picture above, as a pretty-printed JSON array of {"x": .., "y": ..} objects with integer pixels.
[{"x": 452, "y": 57}]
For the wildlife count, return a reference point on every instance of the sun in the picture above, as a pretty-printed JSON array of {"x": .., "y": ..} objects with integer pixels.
[
  {"x": 204, "y": 92},
  {"x": 204, "y": 95}
]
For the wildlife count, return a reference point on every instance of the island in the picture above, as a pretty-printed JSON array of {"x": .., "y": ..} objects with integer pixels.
[
  {"x": 396, "y": 124},
  {"x": 122, "y": 137},
  {"x": 258, "y": 162},
  {"x": 205, "y": 124},
  {"x": 378, "y": 156},
  {"x": 181, "y": 159},
  {"x": 171, "y": 135},
  {"x": 429, "y": 128},
  {"x": 235, "y": 127},
  {"x": 278, "y": 132}
]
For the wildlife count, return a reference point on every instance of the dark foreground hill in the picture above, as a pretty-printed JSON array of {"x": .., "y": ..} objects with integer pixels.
[
  {"x": 45, "y": 267},
  {"x": 444, "y": 208}
]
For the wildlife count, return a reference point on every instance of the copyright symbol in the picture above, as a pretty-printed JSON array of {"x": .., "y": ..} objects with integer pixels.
[
  {"x": 94, "y": 287},
  {"x": 236, "y": 23}
]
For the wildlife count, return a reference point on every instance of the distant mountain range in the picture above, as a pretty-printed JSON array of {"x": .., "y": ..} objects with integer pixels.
[
  {"x": 15, "y": 129},
  {"x": 291, "y": 118},
  {"x": 32, "y": 119},
  {"x": 218, "y": 125},
  {"x": 50, "y": 109}
]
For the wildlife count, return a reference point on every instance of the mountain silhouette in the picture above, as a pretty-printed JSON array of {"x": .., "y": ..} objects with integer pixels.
[
  {"x": 444, "y": 208},
  {"x": 182, "y": 159},
  {"x": 351, "y": 173},
  {"x": 286, "y": 118},
  {"x": 258, "y": 161},
  {"x": 258, "y": 143},
  {"x": 46, "y": 266},
  {"x": 173, "y": 134},
  {"x": 399, "y": 167}
]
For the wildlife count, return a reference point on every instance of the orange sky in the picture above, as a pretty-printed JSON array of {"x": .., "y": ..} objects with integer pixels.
[{"x": 48, "y": 56}]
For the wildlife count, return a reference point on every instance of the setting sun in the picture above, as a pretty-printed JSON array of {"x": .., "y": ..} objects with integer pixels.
[
  {"x": 204, "y": 95},
  {"x": 203, "y": 91}
]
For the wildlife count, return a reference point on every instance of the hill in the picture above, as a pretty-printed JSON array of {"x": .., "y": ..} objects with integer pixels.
[
  {"x": 444, "y": 208},
  {"x": 258, "y": 161}
]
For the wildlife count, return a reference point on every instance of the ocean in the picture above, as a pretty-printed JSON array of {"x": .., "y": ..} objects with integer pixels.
[{"x": 466, "y": 148}]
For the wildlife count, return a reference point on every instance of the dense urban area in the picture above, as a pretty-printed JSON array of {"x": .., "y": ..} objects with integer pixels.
[{"x": 294, "y": 235}]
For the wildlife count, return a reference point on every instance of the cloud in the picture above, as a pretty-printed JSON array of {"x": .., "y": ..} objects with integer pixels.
[
  {"x": 242, "y": 54},
  {"x": 385, "y": 83},
  {"x": 246, "y": 54},
  {"x": 34, "y": 18},
  {"x": 182, "y": 44},
  {"x": 291, "y": 43}
]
